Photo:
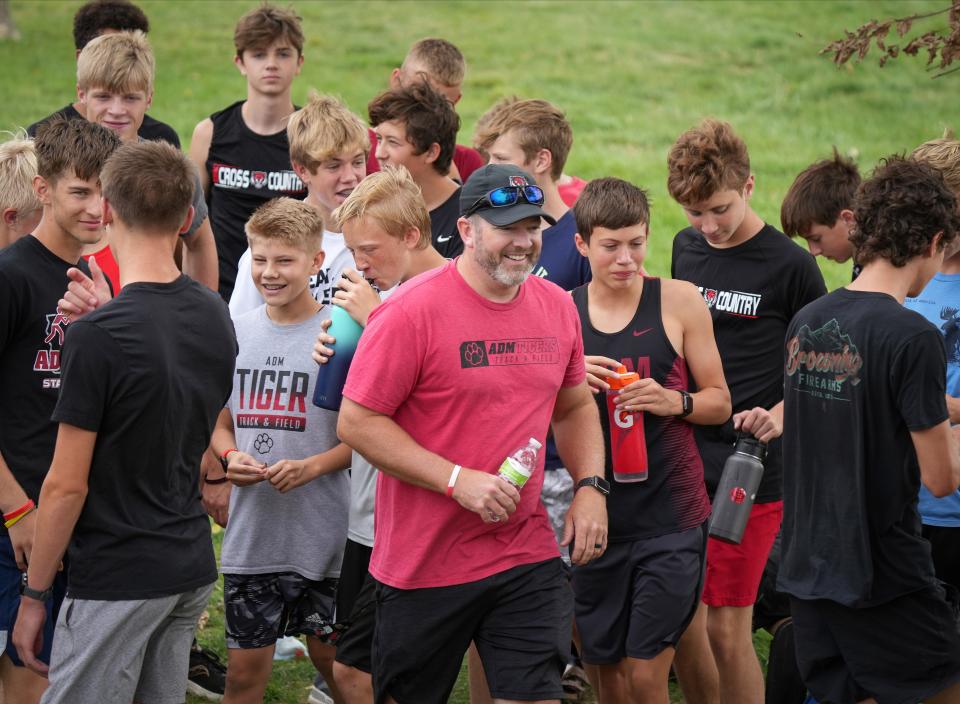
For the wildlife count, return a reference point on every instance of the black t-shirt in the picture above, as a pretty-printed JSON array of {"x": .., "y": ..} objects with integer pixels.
[
  {"x": 149, "y": 372},
  {"x": 443, "y": 227},
  {"x": 752, "y": 290},
  {"x": 861, "y": 373},
  {"x": 32, "y": 280},
  {"x": 151, "y": 129},
  {"x": 673, "y": 497},
  {"x": 246, "y": 170}
]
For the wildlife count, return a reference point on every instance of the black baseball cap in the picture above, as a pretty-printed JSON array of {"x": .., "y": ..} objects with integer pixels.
[{"x": 491, "y": 177}]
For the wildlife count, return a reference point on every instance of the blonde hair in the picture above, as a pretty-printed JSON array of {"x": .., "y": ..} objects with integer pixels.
[
  {"x": 393, "y": 199},
  {"x": 324, "y": 128},
  {"x": 944, "y": 155},
  {"x": 287, "y": 220},
  {"x": 18, "y": 166},
  {"x": 117, "y": 62},
  {"x": 439, "y": 59}
]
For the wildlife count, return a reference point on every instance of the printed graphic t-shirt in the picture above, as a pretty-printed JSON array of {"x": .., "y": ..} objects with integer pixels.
[
  {"x": 939, "y": 303},
  {"x": 274, "y": 419},
  {"x": 471, "y": 380},
  {"x": 753, "y": 290},
  {"x": 861, "y": 373},
  {"x": 32, "y": 280}
]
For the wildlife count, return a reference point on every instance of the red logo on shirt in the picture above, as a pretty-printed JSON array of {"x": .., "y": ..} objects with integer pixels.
[{"x": 259, "y": 179}]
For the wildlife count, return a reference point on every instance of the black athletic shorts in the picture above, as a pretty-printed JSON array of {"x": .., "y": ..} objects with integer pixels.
[
  {"x": 637, "y": 598},
  {"x": 520, "y": 620},
  {"x": 900, "y": 652},
  {"x": 356, "y": 642},
  {"x": 260, "y": 608},
  {"x": 353, "y": 575},
  {"x": 945, "y": 548}
]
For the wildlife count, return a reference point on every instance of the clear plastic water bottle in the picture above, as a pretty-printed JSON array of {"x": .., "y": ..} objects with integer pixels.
[{"x": 518, "y": 467}]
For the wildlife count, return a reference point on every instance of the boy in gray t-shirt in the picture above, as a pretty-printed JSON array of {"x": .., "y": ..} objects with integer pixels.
[{"x": 283, "y": 546}]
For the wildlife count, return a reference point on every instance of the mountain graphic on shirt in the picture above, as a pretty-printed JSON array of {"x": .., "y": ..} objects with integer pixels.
[{"x": 829, "y": 338}]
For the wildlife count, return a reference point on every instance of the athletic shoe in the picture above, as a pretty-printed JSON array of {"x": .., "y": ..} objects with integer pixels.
[
  {"x": 320, "y": 692},
  {"x": 207, "y": 676}
]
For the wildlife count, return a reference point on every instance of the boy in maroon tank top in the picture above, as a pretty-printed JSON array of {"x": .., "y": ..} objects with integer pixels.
[{"x": 634, "y": 602}]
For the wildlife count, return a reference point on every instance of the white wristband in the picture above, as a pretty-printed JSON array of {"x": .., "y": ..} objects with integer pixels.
[{"x": 453, "y": 479}]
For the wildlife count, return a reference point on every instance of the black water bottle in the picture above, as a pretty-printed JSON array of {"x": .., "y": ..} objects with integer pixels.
[{"x": 733, "y": 501}]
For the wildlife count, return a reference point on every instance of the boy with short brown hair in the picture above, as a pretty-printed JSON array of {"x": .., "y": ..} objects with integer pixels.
[
  {"x": 417, "y": 128},
  {"x": 819, "y": 207},
  {"x": 242, "y": 151},
  {"x": 753, "y": 279}
]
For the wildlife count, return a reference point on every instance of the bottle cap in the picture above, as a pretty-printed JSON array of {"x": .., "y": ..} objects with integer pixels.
[
  {"x": 749, "y": 445},
  {"x": 623, "y": 378},
  {"x": 536, "y": 443}
]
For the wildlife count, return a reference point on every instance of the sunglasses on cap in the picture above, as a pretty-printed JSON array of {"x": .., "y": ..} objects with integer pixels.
[{"x": 507, "y": 195}]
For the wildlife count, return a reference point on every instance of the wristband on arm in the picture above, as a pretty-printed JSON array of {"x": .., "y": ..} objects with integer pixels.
[
  {"x": 10, "y": 519},
  {"x": 453, "y": 479}
]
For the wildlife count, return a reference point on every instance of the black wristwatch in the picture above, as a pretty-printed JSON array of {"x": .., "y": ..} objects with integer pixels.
[
  {"x": 41, "y": 596},
  {"x": 686, "y": 401},
  {"x": 598, "y": 483}
]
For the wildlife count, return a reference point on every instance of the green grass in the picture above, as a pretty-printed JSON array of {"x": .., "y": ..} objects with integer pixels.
[{"x": 630, "y": 75}]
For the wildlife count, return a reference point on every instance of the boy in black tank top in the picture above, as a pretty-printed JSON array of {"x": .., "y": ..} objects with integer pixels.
[
  {"x": 242, "y": 151},
  {"x": 634, "y": 602}
]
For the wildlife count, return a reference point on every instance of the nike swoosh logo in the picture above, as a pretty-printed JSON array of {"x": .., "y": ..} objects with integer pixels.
[
  {"x": 444, "y": 239},
  {"x": 641, "y": 332}
]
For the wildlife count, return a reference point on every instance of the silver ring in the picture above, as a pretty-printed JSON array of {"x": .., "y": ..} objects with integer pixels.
[{"x": 495, "y": 517}]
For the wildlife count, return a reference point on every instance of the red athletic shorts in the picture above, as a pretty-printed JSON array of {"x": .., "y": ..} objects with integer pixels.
[{"x": 734, "y": 571}]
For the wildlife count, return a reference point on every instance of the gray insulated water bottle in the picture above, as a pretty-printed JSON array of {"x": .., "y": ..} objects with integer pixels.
[{"x": 739, "y": 482}]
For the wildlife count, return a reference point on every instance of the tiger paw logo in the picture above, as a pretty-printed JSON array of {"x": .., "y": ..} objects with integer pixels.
[
  {"x": 473, "y": 354},
  {"x": 263, "y": 443}
]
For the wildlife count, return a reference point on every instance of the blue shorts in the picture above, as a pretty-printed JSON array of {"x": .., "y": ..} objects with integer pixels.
[{"x": 10, "y": 576}]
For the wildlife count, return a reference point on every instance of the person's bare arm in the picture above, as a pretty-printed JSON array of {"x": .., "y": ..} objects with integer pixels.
[
  {"x": 61, "y": 500},
  {"x": 200, "y": 256},
  {"x": 12, "y": 497},
  {"x": 392, "y": 450},
  {"x": 200, "y": 150},
  {"x": 939, "y": 457},
  {"x": 953, "y": 407},
  {"x": 290, "y": 474},
  {"x": 711, "y": 402},
  {"x": 576, "y": 430}
]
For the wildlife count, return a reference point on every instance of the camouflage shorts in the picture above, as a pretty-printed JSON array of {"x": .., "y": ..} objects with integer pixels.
[
  {"x": 557, "y": 494},
  {"x": 260, "y": 608}
]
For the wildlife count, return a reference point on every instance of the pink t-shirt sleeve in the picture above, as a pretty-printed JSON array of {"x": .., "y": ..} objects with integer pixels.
[{"x": 389, "y": 348}]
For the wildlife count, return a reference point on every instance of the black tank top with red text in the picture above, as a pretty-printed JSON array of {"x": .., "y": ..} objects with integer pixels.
[
  {"x": 673, "y": 497},
  {"x": 246, "y": 170}
]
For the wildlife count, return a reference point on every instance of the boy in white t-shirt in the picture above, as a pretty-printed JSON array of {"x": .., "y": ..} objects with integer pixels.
[{"x": 328, "y": 149}]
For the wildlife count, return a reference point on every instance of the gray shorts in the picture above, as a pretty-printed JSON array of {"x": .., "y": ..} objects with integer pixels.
[
  {"x": 116, "y": 652},
  {"x": 557, "y": 495}
]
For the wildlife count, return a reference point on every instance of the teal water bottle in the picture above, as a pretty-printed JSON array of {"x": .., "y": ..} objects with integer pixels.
[{"x": 331, "y": 376}]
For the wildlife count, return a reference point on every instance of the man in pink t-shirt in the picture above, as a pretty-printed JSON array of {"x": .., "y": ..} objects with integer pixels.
[{"x": 459, "y": 368}]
